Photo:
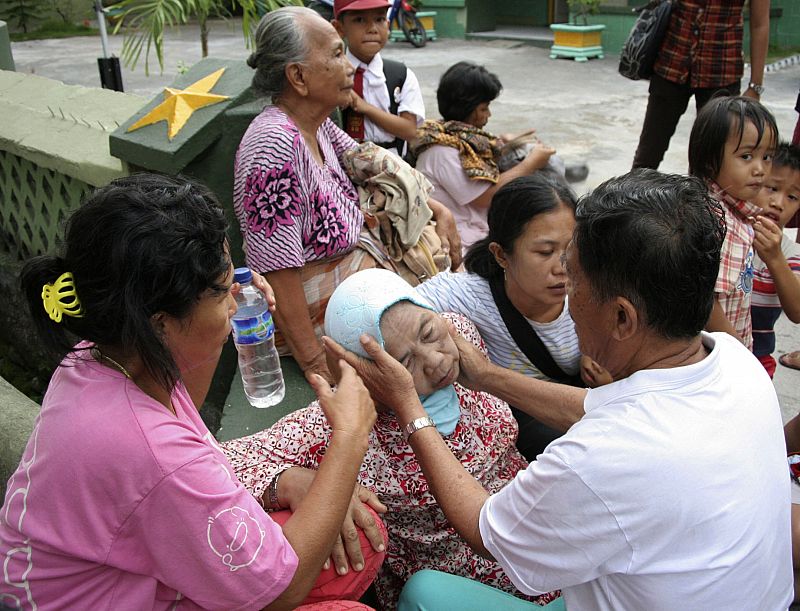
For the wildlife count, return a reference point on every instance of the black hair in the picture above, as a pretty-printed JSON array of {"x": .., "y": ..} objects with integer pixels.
[
  {"x": 714, "y": 124},
  {"x": 513, "y": 206},
  {"x": 787, "y": 156},
  {"x": 654, "y": 239},
  {"x": 141, "y": 245},
  {"x": 462, "y": 87}
]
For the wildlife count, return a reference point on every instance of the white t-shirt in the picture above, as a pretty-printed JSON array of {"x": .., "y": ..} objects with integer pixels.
[
  {"x": 470, "y": 295},
  {"x": 671, "y": 493},
  {"x": 409, "y": 98},
  {"x": 451, "y": 186}
]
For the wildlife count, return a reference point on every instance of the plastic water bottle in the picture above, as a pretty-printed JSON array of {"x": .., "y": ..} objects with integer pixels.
[{"x": 254, "y": 336}]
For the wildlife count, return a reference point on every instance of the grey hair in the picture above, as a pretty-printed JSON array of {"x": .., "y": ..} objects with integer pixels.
[{"x": 280, "y": 40}]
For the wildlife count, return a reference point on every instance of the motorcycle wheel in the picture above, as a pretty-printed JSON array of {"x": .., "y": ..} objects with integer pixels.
[{"x": 413, "y": 29}]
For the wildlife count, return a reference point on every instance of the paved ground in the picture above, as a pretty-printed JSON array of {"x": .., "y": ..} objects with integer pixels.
[{"x": 587, "y": 111}]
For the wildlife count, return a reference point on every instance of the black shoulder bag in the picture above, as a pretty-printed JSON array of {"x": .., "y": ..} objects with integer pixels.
[
  {"x": 641, "y": 49},
  {"x": 526, "y": 338}
]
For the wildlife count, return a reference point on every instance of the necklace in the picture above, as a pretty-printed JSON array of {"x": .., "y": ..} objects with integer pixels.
[{"x": 99, "y": 356}]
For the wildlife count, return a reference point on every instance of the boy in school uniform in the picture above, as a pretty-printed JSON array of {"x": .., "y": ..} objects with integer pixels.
[
  {"x": 387, "y": 104},
  {"x": 776, "y": 268}
]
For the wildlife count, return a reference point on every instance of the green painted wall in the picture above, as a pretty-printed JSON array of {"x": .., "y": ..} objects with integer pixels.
[
  {"x": 618, "y": 22},
  {"x": 451, "y": 17},
  {"x": 785, "y": 32},
  {"x": 457, "y": 17}
]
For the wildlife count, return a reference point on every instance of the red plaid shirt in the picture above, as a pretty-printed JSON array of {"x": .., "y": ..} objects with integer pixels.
[
  {"x": 703, "y": 43},
  {"x": 735, "y": 279}
]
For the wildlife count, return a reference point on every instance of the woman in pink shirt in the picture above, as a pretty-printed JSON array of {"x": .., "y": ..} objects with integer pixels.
[{"x": 123, "y": 499}]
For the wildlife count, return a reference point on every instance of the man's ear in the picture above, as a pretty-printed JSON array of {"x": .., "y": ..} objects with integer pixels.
[
  {"x": 296, "y": 79},
  {"x": 499, "y": 254},
  {"x": 626, "y": 319}
]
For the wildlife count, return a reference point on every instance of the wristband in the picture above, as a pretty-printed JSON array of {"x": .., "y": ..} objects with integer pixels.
[
  {"x": 272, "y": 494},
  {"x": 417, "y": 424},
  {"x": 759, "y": 89}
]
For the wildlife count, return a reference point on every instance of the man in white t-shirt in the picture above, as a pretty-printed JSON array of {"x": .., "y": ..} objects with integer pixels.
[{"x": 671, "y": 490}]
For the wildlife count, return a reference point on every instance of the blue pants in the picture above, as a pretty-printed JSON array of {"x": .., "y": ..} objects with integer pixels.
[{"x": 433, "y": 591}]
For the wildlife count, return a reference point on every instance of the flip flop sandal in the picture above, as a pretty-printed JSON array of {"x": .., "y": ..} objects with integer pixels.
[{"x": 790, "y": 360}]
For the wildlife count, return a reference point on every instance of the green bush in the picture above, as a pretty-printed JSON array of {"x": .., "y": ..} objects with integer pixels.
[
  {"x": 21, "y": 14},
  {"x": 54, "y": 29}
]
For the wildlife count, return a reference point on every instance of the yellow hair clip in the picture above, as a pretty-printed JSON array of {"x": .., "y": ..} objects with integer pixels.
[{"x": 60, "y": 298}]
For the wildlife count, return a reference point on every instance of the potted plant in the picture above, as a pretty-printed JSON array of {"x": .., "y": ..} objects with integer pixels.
[
  {"x": 582, "y": 8},
  {"x": 578, "y": 41}
]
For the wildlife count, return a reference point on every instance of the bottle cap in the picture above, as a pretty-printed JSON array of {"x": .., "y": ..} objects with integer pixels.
[{"x": 242, "y": 275}]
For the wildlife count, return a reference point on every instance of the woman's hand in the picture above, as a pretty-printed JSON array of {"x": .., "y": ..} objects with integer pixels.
[
  {"x": 262, "y": 285},
  {"x": 447, "y": 231},
  {"x": 292, "y": 489},
  {"x": 388, "y": 381},
  {"x": 349, "y": 410},
  {"x": 319, "y": 365},
  {"x": 592, "y": 374},
  {"x": 348, "y": 545}
]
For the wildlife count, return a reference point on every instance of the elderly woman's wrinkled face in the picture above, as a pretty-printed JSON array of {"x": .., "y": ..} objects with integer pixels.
[
  {"x": 327, "y": 72},
  {"x": 418, "y": 338}
]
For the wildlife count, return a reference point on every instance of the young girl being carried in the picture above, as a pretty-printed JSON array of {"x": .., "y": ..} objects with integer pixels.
[
  {"x": 731, "y": 147},
  {"x": 515, "y": 291}
]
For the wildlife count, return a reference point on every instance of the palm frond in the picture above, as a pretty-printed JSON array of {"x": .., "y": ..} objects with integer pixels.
[{"x": 144, "y": 22}]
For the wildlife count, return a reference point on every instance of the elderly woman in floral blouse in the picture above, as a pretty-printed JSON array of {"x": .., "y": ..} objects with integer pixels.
[
  {"x": 298, "y": 211},
  {"x": 478, "y": 428}
]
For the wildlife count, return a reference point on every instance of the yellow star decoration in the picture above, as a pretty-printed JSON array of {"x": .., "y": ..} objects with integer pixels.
[{"x": 179, "y": 104}]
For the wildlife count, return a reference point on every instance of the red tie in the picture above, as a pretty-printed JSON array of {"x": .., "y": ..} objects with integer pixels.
[{"x": 355, "y": 120}]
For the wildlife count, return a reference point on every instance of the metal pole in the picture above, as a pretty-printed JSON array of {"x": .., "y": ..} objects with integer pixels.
[
  {"x": 101, "y": 22},
  {"x": 110, "y": 73}
]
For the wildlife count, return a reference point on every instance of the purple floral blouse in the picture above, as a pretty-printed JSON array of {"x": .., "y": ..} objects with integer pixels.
[{"x": 291, "y": 210}]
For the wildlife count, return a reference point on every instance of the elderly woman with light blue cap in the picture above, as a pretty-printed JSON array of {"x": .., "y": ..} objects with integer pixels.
[{"x": 478, "y": 428}]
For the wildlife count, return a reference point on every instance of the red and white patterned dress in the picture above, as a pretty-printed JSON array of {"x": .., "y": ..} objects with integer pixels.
[{"x": 420, "y": 536}]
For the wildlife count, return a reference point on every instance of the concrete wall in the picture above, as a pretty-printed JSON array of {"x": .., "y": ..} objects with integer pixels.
[
  {"x": 59, "y": 131},
  {"x": 63, "y": 127}
]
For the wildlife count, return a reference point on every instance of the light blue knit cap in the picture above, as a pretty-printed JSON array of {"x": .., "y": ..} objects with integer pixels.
[{"x": 358, "y": 303}]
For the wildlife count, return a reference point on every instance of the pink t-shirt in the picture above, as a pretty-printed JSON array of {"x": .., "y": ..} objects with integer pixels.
[
  {"x": 119, "y": 504},
  {"x": 451, "y": 186}
]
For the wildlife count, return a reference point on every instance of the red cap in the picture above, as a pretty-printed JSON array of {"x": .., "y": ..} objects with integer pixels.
[{"x": 340, "y": 6}]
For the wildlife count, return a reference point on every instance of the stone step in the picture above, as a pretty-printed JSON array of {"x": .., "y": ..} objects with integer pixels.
[{"x": 537, "y": 36}]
